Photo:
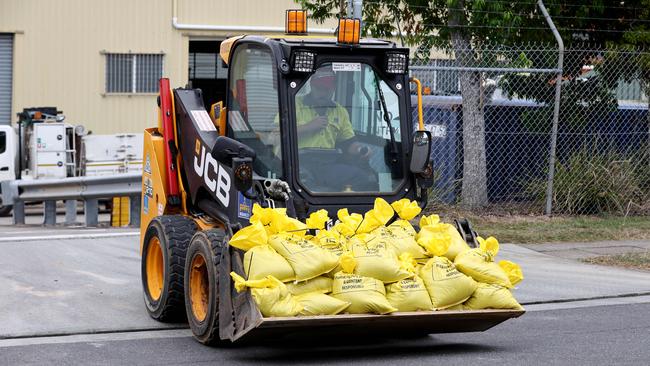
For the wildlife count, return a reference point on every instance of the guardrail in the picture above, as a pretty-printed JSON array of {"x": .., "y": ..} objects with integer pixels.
[{"x": 87, "y": 189}]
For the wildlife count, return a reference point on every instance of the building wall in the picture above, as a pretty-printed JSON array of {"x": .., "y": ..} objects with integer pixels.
[{"x": 59, "y": 50}]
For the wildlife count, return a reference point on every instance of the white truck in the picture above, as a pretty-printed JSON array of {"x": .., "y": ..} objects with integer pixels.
[{"x": 43, "y": 146}]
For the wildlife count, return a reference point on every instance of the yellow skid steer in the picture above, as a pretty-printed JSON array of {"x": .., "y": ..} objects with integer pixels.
[{"x": 308, "y": 123}]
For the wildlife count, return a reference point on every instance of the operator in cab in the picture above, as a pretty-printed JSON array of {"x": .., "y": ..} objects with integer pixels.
[
  {"x": 323, "y": 123},
  {"x": 324, "y": 127}
]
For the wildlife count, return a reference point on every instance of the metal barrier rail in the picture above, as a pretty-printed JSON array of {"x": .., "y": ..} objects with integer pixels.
[{"x": 70, "y": 190}]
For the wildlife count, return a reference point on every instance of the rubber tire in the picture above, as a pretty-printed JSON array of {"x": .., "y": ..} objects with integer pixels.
[
  {"x": 209, "y": 244},
  {"x": 6, "y": 210},
  {"x": 174, "y": 233}
]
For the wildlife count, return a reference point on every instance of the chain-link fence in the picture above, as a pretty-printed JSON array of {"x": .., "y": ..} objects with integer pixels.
[{"x": 491, "y": 114}]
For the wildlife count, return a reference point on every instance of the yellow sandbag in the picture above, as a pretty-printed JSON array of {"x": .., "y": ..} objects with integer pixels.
[
  {"x": 307, "y": 259},
  {"x": 489, "y": 296},
  {"x": 409, "y": 295},
  {"x": 435, "y": 239},
  {"x": 334, "y": 242},
  {"x": 513, "y": 271},
  {"x": 479, "y": 263},
  {"x": 275, "y": 220},
  {"x": 446, "y": 286},
  {"x": 263, "y": 260},
  {"x": 433, "y": 231},
  {"x": 400, "y": 241},
  {"x": 271, "y": 296},
  {"x": 320, "y": 284},
  {"x": 260, "y": 260},
  {"x": 375, "y": 259},
  {"x": 317, "y": 220},
  {"x": 458, "y": 244},
  {"x": 406, "y": 209},
  {"x": 380, "y": 214},
  {"x": 429, "y": 220},
  {"x": 348, "y": 223},
  {"x": 316, "y": 303},
  {"x": 249, "y": 237},
  {"x": 365, "y": 294},
  {"x": 458, "y": 307}
]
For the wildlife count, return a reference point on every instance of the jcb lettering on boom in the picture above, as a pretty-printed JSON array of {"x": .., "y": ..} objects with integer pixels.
[{"x": 215, "y": 176}]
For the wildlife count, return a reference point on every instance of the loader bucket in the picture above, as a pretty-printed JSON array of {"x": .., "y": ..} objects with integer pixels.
[{"x": 241, "y": 319}]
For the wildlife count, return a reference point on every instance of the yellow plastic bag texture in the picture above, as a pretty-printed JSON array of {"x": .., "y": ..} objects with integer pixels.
[
  {"x": 435, "y": 239},
  {"x": 489, "y": 296},
  {"x": 515, "y": 275},
  {"x": 447, "y": 287},
  {"x": 263, "y": 260},
  {"x": 457, "y": 245},
  {"x": 271, "y": 296},
  {"x": 478, "y": 264},
  {"x": 307, "y": 259},
  {"x": 317, "y": 220},
  {"x": 249, "y": 237},
  {"x": 366, "y": 295},
  {"x": 317, "y": 303},
  {"x": 409, "y": 295},
  {"x": 400, "y": 240},
  {"x": 320, "y": 284},
  {"x": 380, "y": 214},
  {"x": 406, "y": 209},
  {"x": 375, "y": 259}
]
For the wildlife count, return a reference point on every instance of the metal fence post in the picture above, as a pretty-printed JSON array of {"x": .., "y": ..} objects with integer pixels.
[
  {"x": 90, "y": 212},
  {"x": 134, "y": 212},
  {"x": 70, "y": 212},
  {"x": 49, "y": 213},
  {"x": 556, "y": 109},
  {"x": 19, "y": 213}
]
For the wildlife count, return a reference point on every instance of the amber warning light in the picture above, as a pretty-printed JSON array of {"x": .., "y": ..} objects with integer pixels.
[
  {"x": 296, "y": 22},
  {"x": 349, "y": 30}
]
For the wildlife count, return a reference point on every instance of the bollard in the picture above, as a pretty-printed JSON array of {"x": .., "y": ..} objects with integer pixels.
[
  {"x": 70, "y": 212},
  {"x": 91, "y": 212},
  {"x": 49, "y": 213},
  {"x": 134, "y": 213},
  {"x": 19, "y": 213}
]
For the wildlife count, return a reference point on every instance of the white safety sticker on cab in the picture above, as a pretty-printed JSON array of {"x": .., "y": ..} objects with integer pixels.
[
  {"x": 203, "y": 120},
  {"x": 346, "y": 66}
]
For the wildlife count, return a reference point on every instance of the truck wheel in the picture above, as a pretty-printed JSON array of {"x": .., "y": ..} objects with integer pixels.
[
  {"x": 202, "y": 285},
  {"x": 163, "y": 257},
  {"x": 5, "y": 210}
]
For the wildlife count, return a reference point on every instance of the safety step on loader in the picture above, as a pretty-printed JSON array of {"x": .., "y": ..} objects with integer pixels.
[{"x": 308, "y": 123}]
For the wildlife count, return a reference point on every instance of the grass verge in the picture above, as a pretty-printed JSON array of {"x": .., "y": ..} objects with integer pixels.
[
  {"x": 628, "y": 260},
  {"x": 542, "y": 229}
]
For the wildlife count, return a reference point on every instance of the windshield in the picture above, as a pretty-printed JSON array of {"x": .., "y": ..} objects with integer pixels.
[{"x": 345, "y": 140}]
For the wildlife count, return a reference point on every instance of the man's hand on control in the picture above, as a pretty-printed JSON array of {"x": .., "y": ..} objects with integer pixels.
[{"x": 317, "y": 124}]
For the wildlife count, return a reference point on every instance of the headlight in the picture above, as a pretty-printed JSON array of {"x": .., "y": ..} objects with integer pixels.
[
  {"x": 303, "y": 61},
  {"x": 396, "y": 63}
]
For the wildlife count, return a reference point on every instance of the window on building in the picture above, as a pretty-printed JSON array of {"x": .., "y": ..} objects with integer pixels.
[{"x": 133, "y": 72}]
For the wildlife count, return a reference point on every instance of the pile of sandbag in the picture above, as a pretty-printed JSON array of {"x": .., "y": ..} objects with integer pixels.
[{"x": 362, "y": 264}]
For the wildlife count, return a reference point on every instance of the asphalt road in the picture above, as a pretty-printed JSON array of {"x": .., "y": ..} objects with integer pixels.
[
  {"x": 601, "y": 335},
  {"x": 73, "y": 296}
]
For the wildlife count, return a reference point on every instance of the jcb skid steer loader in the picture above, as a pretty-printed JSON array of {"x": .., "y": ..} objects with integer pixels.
[{"x": 203, "y": 172}]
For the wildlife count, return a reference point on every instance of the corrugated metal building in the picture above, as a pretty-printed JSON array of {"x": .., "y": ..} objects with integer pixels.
[{"x": 99, "y": 61}]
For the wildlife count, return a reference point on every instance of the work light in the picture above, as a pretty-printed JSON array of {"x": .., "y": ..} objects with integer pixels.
[
  {"x": 303, "y": 61},
  {"x": 396, "y": 63}
]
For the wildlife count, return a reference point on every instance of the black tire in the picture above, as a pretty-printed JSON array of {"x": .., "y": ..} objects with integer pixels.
[
  {"x": 205, "y": 248},
  {"x": 5, "y": 210},
  {"x": 165, "y": 301}
]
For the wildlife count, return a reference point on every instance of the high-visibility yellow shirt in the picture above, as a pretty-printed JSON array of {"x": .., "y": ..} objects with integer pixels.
[{"x": 338, "y": 128}]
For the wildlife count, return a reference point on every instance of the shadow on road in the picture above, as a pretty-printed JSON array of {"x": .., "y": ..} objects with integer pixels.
[{"x": 318, "y": 350}]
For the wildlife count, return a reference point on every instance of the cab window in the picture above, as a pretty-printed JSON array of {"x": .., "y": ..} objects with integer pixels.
[{"x": 253, "y": 107}]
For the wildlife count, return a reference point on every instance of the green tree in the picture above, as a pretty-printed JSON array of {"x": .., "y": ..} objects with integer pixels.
[{"x": 464, "y": 27}]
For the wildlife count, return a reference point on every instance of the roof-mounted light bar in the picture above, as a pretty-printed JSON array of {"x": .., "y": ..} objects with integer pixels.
[
  {"x": 296, "y": 22},
  {"x": 349, "y": 31}
]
